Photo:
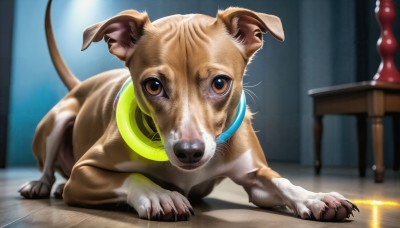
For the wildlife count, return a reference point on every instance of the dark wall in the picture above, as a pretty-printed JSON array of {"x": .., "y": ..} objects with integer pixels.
[
  {"x": 327, "y": 57},
  {"x": 337, "y": 47},
  {"x": 6, "y": 28}
]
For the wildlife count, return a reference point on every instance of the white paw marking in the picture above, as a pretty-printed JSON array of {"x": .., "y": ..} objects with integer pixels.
[
  {"x": 310, "y": 205},
  {"x": 155, "y": 203}
]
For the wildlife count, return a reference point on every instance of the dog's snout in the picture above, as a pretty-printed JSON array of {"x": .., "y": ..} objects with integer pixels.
[{"x": 189, "y": 151}]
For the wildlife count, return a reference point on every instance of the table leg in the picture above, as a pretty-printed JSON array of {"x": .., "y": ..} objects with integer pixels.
[
  {"x": 318, "y": 128},
  {"x": 377, "y": 135},
  {"x": 396, "y": 142},
  {"x": 362, "y": 143}
]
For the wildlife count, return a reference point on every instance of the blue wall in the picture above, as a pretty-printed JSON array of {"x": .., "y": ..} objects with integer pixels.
[{"x": 318, "y": 51}]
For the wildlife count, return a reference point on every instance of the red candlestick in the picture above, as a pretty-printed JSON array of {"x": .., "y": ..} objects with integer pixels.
[{"x": 387, "y": 45}]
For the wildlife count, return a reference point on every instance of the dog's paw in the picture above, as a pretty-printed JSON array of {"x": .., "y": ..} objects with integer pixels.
[
  {"x": 58, "y": 192},
  {"x": 162, "y": 205},
  {"x": 326, "y": 207},
  {"x": 153, "y": 202},
  {"x": 35, "y": 190}
]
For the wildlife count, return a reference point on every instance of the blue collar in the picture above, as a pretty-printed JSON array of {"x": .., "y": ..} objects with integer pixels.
[
  {"x": 224, "y": 136},
  {"x": 227, "y": 134}
]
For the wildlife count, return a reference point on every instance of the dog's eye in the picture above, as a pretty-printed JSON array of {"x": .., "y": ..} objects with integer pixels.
[
  {"x": 220, "y": 84},
  {"x": 153, "y": 87}
]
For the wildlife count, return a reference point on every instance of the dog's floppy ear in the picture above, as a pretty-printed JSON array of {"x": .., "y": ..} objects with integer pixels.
[
  {"x": 247, "y": 27},
  {"x": 120, "y": 32}
]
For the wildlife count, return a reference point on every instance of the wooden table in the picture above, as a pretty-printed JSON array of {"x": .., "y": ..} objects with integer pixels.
[{"x": 371, "y": 99}]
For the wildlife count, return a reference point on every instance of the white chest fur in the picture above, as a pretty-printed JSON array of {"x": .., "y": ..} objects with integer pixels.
[{"x": 185, "y": 180}]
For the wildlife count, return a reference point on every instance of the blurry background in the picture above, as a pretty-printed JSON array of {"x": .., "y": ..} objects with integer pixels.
[{"x": 325, "y": 41}]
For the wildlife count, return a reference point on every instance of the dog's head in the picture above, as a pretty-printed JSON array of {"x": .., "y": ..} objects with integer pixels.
[{"x": 187, "y": 71}]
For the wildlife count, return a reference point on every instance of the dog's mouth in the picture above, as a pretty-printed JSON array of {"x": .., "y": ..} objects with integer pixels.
[{"x": 189, "y": 167}]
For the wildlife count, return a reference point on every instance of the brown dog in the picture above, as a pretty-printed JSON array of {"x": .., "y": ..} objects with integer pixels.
[{"x": 187, "y": 73}]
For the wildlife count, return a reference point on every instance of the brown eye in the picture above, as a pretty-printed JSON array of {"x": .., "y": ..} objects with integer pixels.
[
  {"x": 221, "y": 84},
  {"x": 153, "y": 87}
]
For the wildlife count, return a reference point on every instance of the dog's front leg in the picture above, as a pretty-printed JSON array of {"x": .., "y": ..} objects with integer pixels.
[
  {"x": 268, "y": 189},
  {"x": 154, "y": 202},
  {"x": 91, "y": 186}
]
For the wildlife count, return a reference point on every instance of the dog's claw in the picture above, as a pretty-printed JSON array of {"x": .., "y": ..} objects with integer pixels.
[
  {"x": 187, "y": 212},
  {"x": 148, "y": 214},
  {"x": 339, "y": 208},
  {"x": 322, "y": 213},
  {"x": 191, "y": 211},
  {"x": 353, "y": 206},
  {"x": 306, "y": 215}
]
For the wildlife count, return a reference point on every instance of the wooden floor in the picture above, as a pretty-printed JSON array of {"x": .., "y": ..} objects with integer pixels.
[{"x": 227, "y": 206}]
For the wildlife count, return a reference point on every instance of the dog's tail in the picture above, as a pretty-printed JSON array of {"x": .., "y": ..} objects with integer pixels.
[{"x": 68, "y": 78}]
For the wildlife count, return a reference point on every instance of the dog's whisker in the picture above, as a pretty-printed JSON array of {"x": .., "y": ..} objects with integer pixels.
[
  {"x": 222, "y": 149},
  {"x": 251, "y": 86},
  {"x": 251, "y": 94},
  {"x": 254, "y": 94}
]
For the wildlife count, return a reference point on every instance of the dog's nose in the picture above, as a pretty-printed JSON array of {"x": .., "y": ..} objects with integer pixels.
[{"x": 189, "y": 151}]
